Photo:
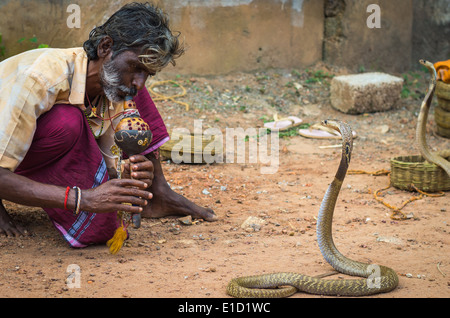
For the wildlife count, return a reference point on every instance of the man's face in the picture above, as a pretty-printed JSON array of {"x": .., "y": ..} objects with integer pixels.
[{"x": 123, "y": 76}]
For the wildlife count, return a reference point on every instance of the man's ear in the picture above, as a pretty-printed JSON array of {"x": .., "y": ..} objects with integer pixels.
[{"x": 105, "y": 47}]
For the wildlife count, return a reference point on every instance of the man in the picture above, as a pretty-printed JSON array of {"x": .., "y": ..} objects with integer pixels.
[{"x": 58, "y": 110}]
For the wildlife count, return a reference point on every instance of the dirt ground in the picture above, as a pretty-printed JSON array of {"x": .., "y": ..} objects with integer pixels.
[{"x": 168, "y": 259}]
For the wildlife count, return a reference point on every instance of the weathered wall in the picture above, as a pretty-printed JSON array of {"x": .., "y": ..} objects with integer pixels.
[
  {"x": 351, "y": 43},
  {"x": 244, "y": 35},
  {"x": 248, "y": 35},
  {"x": 431, "y": 30},
  {"x": 222, "y": 35}
]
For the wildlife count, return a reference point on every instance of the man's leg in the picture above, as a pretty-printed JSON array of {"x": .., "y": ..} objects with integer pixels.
[
  {"x": 166, "y": 202},
  {"x": 65, "y": 153}
]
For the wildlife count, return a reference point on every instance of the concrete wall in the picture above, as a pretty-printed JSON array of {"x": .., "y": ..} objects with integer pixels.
[
  {"x": 222, "y": 35},
  {"x": 225, "y": 36},
  {"x": 351, "y": 42},
  {"x": 431, "y": 30},
  {"x": 244, "y": 35}
]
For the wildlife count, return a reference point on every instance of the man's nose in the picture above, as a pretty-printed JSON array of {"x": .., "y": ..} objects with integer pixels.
[{"x": 139, "y": 81}]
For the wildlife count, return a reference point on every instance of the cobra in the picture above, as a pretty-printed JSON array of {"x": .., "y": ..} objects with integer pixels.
[
  {"x": 434, "y": 157},
  {"x": 376, "y": 278}
]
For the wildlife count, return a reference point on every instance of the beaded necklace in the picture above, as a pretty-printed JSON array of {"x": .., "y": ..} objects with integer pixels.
[{"x": 93, "y": 113}]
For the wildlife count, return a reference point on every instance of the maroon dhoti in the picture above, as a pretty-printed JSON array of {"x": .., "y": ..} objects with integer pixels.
[{"x": 64, "y": 152}]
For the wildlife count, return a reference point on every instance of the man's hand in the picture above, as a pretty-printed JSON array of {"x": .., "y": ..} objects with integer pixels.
[
  {"x": 141, "y": 169},
  {"x": 7, "y": 225},
  {"x": 111, "y": 196},
  {"x": 132, "y": 188}
]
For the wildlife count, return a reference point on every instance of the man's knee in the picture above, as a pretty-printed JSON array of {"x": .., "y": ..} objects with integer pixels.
[
  {"x": 61, "y": 126},
  {"x": 57, "y": 131}
]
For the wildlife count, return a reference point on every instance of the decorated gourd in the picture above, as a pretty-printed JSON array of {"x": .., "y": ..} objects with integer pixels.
[{"x": 132, "y": 134}]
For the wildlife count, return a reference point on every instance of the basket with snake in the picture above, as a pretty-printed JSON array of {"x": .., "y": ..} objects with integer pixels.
[{"x": 429, "y": 171}]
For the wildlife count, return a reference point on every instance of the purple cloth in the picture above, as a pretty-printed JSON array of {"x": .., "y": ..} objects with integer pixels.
[
  {"x": 65, "y": 153},
  {"x": 151, "y": 116}
]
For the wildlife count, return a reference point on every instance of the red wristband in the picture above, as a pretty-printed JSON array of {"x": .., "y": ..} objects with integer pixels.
[{"x": 67, "y": 196}]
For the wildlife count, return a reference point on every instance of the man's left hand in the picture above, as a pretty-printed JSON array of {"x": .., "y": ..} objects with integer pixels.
[{"x": 141, "y": 169}]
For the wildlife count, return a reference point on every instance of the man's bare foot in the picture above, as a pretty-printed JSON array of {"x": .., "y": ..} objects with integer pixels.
[
  {"x": 171, "y": 204},
  {"x": 7, "y": 225},
  {"x": 166, "y": 202}
]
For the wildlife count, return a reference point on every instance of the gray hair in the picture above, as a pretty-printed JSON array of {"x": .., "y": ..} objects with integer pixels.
[{"x": 141, "y": 27}]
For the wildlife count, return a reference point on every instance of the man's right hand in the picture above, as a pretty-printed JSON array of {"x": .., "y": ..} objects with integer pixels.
[{"x": 113, "y": 195}]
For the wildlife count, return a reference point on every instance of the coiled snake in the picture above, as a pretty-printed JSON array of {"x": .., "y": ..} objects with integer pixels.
[
  {"x": 378, "y": 278},
  {"x": 434, "y": 157}
]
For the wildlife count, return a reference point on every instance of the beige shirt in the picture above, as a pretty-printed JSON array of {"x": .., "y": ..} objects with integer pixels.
[{"x": 30, "y": 84}]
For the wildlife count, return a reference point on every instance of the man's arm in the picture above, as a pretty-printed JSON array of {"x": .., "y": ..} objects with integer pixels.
[
  {"x": 108, "y": 197},
  {"x": 21, "y": 190}
]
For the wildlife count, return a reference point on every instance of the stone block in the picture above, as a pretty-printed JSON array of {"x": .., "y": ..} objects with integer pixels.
[{"x": 365, "y": 93}]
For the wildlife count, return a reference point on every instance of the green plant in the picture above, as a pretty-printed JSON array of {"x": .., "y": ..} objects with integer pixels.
[
  {"x": 34, "y": 42},
  {"x": 291, "y": 132},
  {"x": 318, "y": 76},
  {"x": 411, "y": 85},
  {"x": 2, "y": 48},
  {"x": 296, "y": 73}
]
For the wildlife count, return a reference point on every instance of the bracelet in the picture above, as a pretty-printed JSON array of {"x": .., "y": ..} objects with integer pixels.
[
  {"x": 77, "y": 200},
  {"x": 66, "y": 197}
]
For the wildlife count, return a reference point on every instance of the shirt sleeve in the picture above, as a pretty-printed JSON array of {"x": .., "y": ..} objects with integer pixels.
[{"x": 22, "y": 100}]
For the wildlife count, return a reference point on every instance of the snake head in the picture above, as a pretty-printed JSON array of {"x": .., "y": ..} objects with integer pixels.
[
  {"x": 431, "y": 69},
  {"x": 346, "y": 132},
  {"x": 332, "y": 123},
  {"x": 343, "y": 128}
]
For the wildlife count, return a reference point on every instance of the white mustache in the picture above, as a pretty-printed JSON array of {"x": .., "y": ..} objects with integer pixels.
[{"x": 112, "y": 83}]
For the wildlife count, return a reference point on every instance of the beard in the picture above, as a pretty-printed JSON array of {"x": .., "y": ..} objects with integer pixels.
[{"x": 112, "y": 84}]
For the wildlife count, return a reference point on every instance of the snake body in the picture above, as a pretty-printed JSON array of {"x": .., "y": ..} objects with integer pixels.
[
  {"x": 434, "y": 157},
  {"x": 378, "y": 278}
]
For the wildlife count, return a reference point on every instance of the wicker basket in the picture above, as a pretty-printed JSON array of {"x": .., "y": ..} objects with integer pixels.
[
  {"x": 442, "y": 110},
  {"x": 443, "y": 132},
  {"x": 444, "y": 103},
  {"x": 442, "y": 119},
  {"x": 189, "y": 150},
  {"x": 425, "y": 176},
  {"x": 443, "y": 90}
]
